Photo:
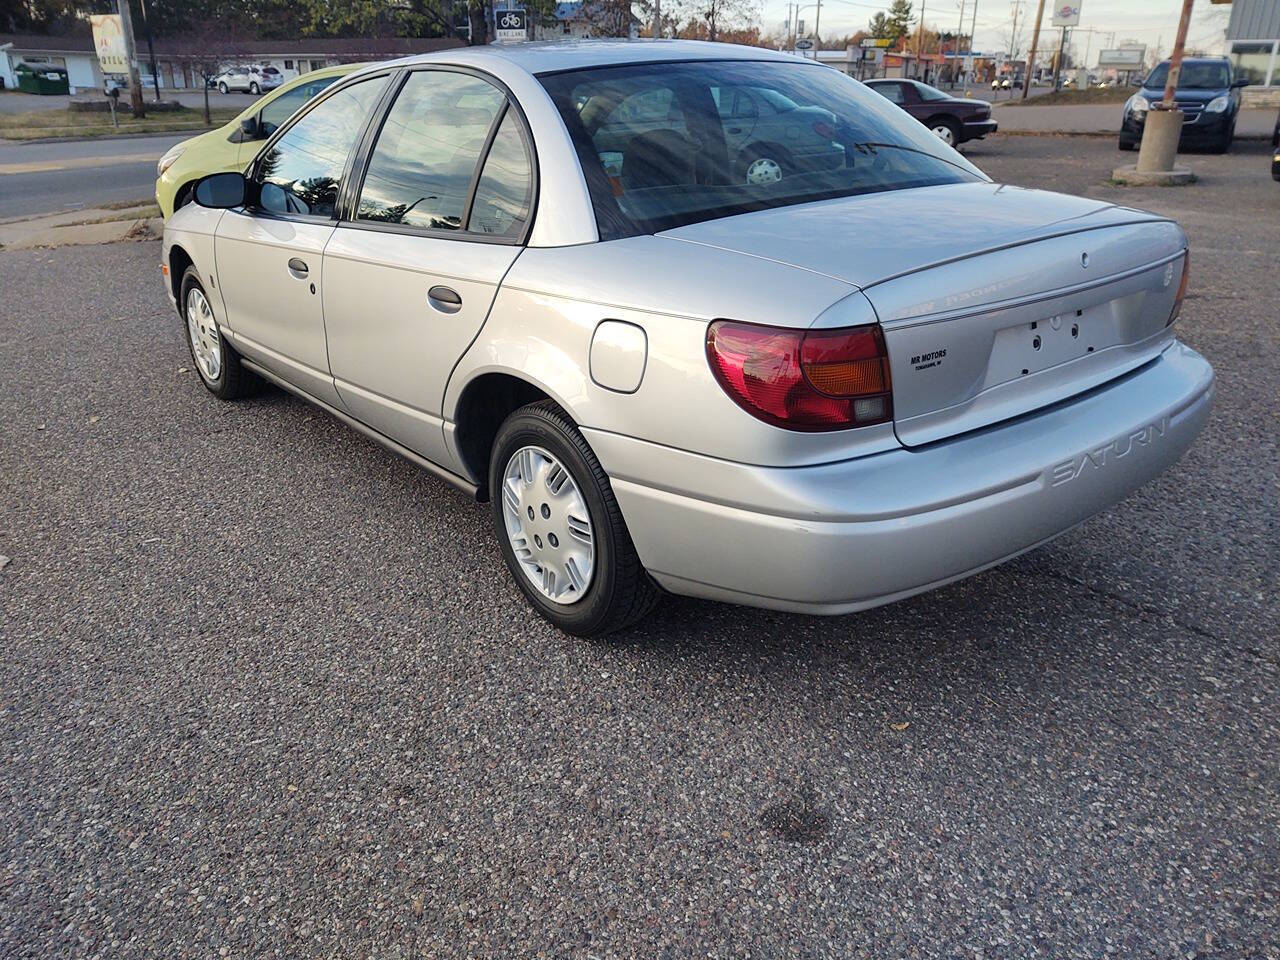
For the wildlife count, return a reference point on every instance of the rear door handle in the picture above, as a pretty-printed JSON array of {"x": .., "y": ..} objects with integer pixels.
[
  {"x": 298, "y": 268},
  {"x": 445, "y": 299}
]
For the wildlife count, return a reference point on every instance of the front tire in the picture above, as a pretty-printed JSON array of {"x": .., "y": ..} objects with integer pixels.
[
  {"x": 253, "y": 88},
  {"x": 946, "y": 130},
  {"x": 559, "y": 526},
  {"x": 222, "y": 87},
  {"x": 216, "y": 362},
  {"x": 1127, "y": 145}
]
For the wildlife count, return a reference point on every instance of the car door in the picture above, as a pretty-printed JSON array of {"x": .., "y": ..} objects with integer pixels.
[
  {"x": 410, "y": 274},
  {"x": 268, "y": 255}
]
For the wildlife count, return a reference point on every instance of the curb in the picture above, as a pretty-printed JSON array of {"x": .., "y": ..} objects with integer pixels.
[
  {"x": 1101, "y": 134},
  {"x": 193, "y": 132}
]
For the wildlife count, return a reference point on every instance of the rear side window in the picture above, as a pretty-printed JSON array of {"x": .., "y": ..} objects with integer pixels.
[
  {"x": 449, "y": 139},
  {"x": 505, "y": 188},
  {"x": 302, "y": 171}
]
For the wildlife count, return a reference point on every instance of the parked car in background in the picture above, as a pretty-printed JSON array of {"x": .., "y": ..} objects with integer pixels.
[
  {"x": 952, "y": 120},
  {"x": 1208, "y": 95},
  {"x": 233, "y": 145},
  {"x": 1275, "y": 134},
  {"x": 808, "y": 393},
  {"x": 247, "y": 79}
]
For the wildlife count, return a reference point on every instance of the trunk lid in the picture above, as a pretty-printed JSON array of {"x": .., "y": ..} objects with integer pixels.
[{"x": 995, "y": 301}]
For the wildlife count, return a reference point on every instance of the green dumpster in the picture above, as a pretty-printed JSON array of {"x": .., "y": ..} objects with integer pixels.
[{"x": 41, "y": 80}]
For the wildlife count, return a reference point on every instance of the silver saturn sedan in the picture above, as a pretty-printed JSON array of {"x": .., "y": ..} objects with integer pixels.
[{"x": 697, "y": 318}]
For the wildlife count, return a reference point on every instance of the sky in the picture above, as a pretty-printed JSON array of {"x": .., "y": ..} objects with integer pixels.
[{"x": 1146, "y": 21}]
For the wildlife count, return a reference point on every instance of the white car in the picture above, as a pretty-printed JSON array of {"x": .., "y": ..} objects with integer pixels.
[
  {"x": 560, "y": 278},
  {"x": 247, "y": 79}
]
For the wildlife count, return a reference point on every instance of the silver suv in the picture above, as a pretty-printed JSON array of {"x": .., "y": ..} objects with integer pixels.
[
  {"x": 560, "y": 279},
  {"x": 250, "y": 79}
]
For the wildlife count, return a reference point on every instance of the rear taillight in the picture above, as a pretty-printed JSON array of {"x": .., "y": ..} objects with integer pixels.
[
  {"x": 803, "y": 380},
  {"x": 1182, "y": 287},
  {"x": 824, "y": 130}
]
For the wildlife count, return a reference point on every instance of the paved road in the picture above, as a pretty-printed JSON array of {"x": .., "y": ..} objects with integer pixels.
[
  {"x": 15, "y": 102},
  {"x": 1105, "y": 117},
  {"x": 266, "y": 689},
  {"x": 51, "y": 177}
]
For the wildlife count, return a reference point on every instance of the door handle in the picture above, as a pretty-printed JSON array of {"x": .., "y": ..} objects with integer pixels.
[
  {"x": 445, "y": 299},
  {"x": 735, "y": 130},
  {"x": 298, "y": 268}
]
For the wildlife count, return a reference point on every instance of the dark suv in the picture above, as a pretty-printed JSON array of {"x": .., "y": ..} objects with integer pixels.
[
  {"x": 951, "y": 119},
  {"x": 1208, "y": 96}
]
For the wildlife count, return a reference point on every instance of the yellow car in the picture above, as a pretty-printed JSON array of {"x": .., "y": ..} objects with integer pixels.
[{"x": 230, "y": 148}]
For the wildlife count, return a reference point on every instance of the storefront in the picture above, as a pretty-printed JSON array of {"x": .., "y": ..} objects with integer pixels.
[{"x": 1253, "y": 41}]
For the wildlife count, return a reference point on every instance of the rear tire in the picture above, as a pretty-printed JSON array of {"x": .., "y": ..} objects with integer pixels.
[
  {"x": 618, "y": 591},
  {"x": 764, "y": 163},
  {"x": 217, "y": 364}
]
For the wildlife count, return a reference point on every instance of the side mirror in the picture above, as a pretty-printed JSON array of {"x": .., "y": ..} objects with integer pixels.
[
  {"x": 1237, "y": 84},
  {"x": 222, "y": 191},
  {"x": 249, "y": 128}
]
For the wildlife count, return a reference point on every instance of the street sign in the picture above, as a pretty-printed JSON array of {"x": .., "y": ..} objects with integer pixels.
[
  {"x": 511, "y": 26},
  {"x": 1126, "y": 58},
  {"x": 1066, "y": 15},
  {"x": 803, "y": 43},
  {"x": 876, "y": 42},
  {"x": 108, "y": 40}
]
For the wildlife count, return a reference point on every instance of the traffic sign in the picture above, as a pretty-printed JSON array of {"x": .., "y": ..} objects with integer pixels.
[{"x": 511, "y": 26}]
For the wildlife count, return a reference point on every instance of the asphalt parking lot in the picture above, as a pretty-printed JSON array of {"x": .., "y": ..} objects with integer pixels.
[{"x": 267, "y": 690}]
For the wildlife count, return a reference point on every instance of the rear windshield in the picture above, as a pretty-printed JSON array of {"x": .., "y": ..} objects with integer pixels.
[
  {"x": 1194, "y": 76},
  {"x": 667, "y": 144}
]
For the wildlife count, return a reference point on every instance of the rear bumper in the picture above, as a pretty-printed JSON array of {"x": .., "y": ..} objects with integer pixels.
[
  {"x": 846, "y": 536},
  {"x": 976, "y": 129}
]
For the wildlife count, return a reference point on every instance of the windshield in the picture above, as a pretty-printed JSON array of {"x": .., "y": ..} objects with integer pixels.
[
  {"x": 931, "y": 93},
  {"x": 667, "y": 144},
  {"x": 1194, "y": 76}
]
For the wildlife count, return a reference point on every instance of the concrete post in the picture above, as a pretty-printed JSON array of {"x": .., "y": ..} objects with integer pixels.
[{"x": 1159, "y": 140}]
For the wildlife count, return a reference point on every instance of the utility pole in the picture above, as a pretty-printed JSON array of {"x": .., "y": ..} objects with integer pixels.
[
  {"x": 973, "y": 29},
  {"x": 1031, "y": 57},
  {"x": 151, "y": 50},
  {"x": 131, "y": 50},
  {"x": 1013, "y": 31},
  {"x": 657, "y": 18},
  {"x": 817, "y": 26},
  {"x": 920, "y": 39},
  {"x": 959, "y": 34},
  {"x": 1057, "y": 61},
  {"x": 1175, "y": 59}
]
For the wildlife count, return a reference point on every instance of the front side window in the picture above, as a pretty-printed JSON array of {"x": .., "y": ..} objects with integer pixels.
[
  {"x": 426, "y": 154},
  {"x": 658, "y": 151},
  {"x": 288, "y": 103},
  {"x": 302, "y": 171}
]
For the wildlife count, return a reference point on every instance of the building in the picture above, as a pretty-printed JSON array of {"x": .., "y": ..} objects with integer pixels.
[
  {"x": 1253, "y": 40},
  {"x": 179, "y": 61}
]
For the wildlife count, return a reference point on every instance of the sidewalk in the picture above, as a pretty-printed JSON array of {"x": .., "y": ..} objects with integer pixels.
[
  {"x": 82, "y": 227},
  {"x": 1103, "y": 118}
]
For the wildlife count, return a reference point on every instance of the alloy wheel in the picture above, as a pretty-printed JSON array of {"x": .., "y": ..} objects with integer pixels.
[
  {"x": 944, "y": 133},
  {"x": 203, "y": 331},
  {"x": 764, "y": 170},
  {"x": 548, "y": 525}
]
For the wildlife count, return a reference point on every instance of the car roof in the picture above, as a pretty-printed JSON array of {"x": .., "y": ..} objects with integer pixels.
[{"x": 554, "y": 56}]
